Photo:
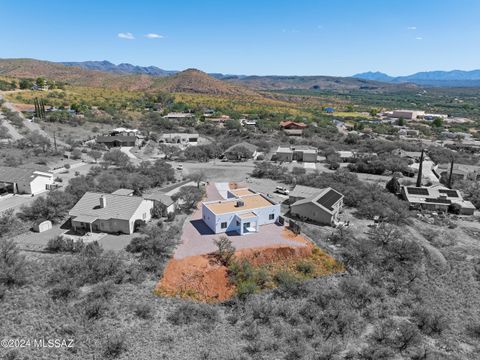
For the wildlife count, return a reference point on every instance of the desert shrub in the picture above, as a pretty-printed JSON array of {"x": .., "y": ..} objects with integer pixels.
[
  {"x": 3, "y": 292},
  {"x": 94, "y": 309},
  {"x": 13, "y": 266},
  {"x": 7, "y": 222},
  {"x": 155, "y": 246},
  {"x": 63, "y": 290},
  {"x": 102, "y": 291},
  {"x": 305, "y": 267},
  {"x": 246, "y": 288},
  {"x": 189, "y": 313},
  {"x": 357, "y": 292},
  {"x": 430, "y": 322},
  {"x": 13, "y": 354},
  {"x": 115, "y": 346},
  {"x": 61, "y": 244},
  {"x": 225, "y": 250},
  {"x": 284, "y": 278},
  {"x": 397, "y": 335},
  {"x": 143, "y": 310}
]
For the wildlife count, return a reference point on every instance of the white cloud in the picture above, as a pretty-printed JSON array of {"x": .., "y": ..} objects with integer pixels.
[
  {"x": 126, "y": 36},
  {"x": 412, "y": 28},
  {"x": 153, "y": 36},
  {"x": 418, "y": 38}
]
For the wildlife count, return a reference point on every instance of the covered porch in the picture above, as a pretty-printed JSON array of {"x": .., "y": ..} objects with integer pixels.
[
  {"x": 248, "y": 223},
  {"x": 84, "y": 223}
]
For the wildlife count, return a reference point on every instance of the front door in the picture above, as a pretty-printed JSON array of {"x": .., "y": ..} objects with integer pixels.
[{"x": 246, "y": 226}]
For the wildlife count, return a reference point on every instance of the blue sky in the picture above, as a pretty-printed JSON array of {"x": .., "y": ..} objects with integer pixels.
[{"x": 302, "y": 37}]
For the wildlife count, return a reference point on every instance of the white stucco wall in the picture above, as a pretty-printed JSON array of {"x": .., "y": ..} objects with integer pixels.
[
  {"x": 39, "y": 184},
  {"x": 144, "y": 212},
  {"x": 214, "y": 221}
]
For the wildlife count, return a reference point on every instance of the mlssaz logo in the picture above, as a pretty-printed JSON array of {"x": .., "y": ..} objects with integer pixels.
[{"x": 53, "y": 343}]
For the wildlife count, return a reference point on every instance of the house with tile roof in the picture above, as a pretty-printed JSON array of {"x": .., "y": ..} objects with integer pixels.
[
  {"x": 321, "y": 206},
  {"x": 243, "y": 211},
  {"x": 18, "y": 180},
  {"x": 110, "y": 213}
]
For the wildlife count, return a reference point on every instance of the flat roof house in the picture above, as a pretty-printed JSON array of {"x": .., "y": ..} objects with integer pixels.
[
  {"x": 243, "y": 212},
  {"x": 24, "y": 181},
  {"x": 319, "y": 205},
  {"x": 436, "y": 198},
  {"x": 179, "y": 138},
  {"x": 110, "y": 213},
  {"x": 178, "y": 116},
  {"x": 408, "y": 114},
  {"x": 296, "y": 153},
  {"x": 460, "y": 171}
]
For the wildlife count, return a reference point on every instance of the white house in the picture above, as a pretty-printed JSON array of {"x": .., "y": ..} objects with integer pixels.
[
  {"x": 110, "y": 213},
  {"x": 243, "y": 211},
  {"x": 24, "y": 181}
]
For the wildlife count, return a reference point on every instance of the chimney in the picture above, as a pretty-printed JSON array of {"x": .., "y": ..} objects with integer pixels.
[
  {"x": 239, "y": 203},
  {"x": 420, "y": 170},
  {"x": 103, "y": 201}
]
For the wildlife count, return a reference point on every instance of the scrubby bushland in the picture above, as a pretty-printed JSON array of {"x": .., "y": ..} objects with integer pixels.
[
  {"x": 61, "y": 244},
  {"x": 54, "y": 207},
  {"x": 92, "y": 265},
  {"x": 138, "y": 178},
  {"x": 154, "y": 246},
  {"x": 189, "y": 313},
  {"x": 13, "y": 266}
]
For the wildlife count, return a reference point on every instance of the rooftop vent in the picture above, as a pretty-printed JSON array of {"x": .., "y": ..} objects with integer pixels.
[{"x": 239, "y": 203}]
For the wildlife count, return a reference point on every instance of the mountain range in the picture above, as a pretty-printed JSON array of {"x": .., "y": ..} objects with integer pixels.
[
  {"x": 190, "y": 80},
  {"x": 454, "y": 78},
  {"x": 123, "y": 68}
]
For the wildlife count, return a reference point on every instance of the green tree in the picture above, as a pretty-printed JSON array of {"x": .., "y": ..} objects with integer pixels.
[{"x": 40, "y": 82}]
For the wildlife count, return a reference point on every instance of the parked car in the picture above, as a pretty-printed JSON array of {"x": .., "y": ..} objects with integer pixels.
[
  {"x": 281, "y": 190},
  {"x": 179, "y": 167}
]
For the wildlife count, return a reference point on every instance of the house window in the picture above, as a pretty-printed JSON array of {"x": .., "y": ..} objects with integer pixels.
[
  {"x": 271, "y": 216},
  {"x": 223, "y": 225},
  {"x": 238, "y": 223}
]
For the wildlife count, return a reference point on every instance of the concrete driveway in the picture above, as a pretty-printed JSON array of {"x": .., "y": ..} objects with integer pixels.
[{"x": 198, "y": 239}]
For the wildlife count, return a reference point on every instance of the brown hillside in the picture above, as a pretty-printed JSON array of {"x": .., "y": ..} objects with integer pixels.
[
  {"x": 196, "y": 81},
  {"x": 188, "y": 81}
]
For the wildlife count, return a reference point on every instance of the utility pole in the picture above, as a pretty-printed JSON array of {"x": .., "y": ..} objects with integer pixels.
[
  {"x": 420, "y": 169},
  {"x": 55, "y": 139},
  {"x": 450, "y": 175}
]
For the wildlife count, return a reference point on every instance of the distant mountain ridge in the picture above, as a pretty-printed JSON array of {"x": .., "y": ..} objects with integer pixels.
[
  {"x": 123, "y": 68},
  {"x": 453, "y": 78}
]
